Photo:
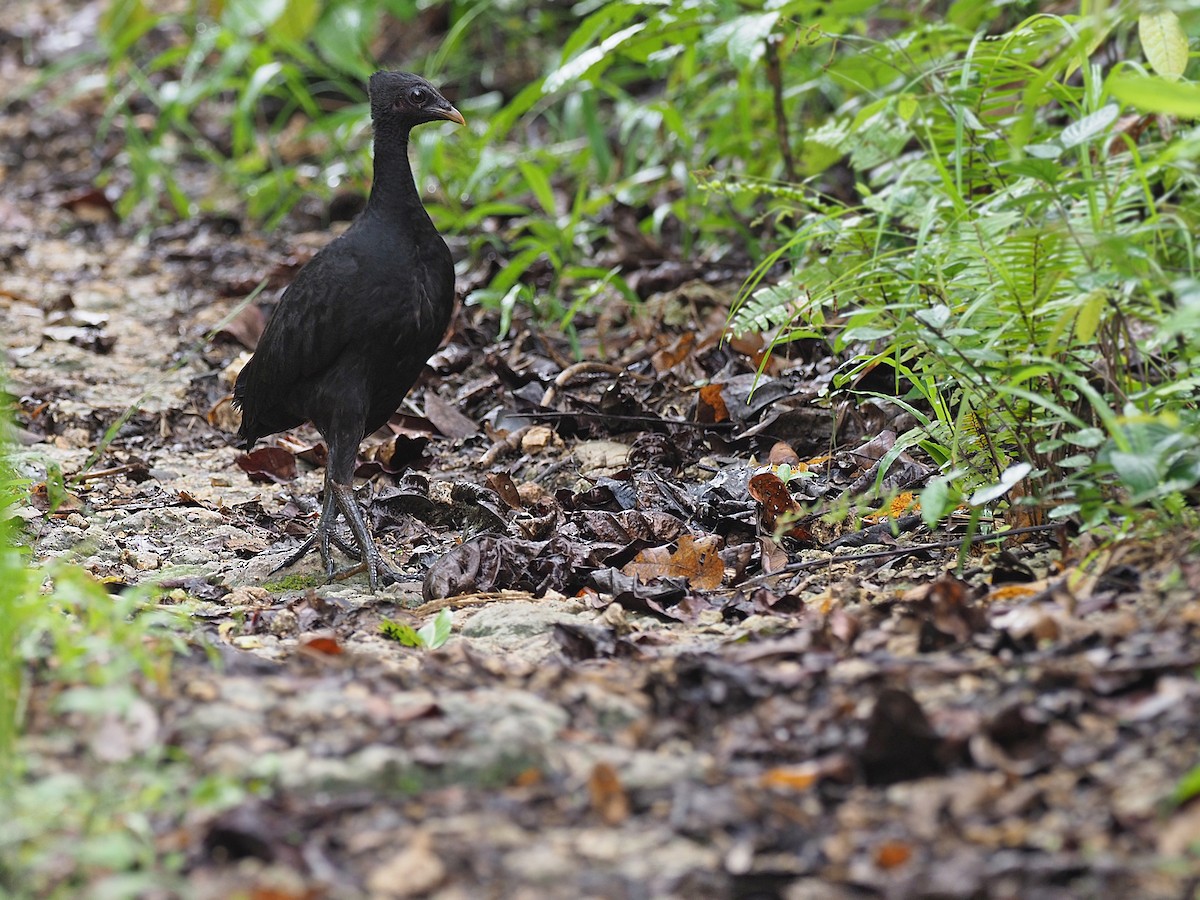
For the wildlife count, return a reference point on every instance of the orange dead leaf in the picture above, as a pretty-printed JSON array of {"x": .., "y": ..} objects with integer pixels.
[
  {"x": 710, "y": 407},
  {"x": 776, "y": 500},
  {"x": 752, "y": 345},
  {"x": 607, "y": 794},
  {"x": 1007, "y": 592},
  {"x": 695, "y": 560},
  {"x": 669, "y": 358},
  {"x": 901, "y": 504},
  {"x": 530, "y": 777},
  {"x": 324, "y": 645},
  {"x": 891, "y": 854},
  {"x": 772, "y": 493},
  {"x": 790, "y": 778}
]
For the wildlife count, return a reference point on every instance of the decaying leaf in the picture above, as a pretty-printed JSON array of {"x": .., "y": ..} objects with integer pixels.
[
  {"x": 697, "y": 561},
  {"x": 268, "y": 464},
  {"x": 609, "y": 800}
]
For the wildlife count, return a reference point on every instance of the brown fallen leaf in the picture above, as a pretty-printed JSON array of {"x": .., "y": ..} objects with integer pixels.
[
  {"x": 901, "y": 744},
  {"x": 696, "y": 560},
  {"x": 447, "y": 419},
  {"x": 90, "y": 205},
  {"x": 268, "y": 464},
  {"x": 502, "y": 484},
  {"x": 245, "y": 328},
  {"x": 777, "y": 502},
  {"x": 782, "y": 454},
  {"x": 669, "y": 357}
]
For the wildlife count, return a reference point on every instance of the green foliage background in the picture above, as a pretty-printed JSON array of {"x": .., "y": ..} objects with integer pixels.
[{"x": 994, "y": 204}]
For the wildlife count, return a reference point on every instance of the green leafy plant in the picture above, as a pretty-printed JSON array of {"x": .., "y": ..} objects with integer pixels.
[{"x": 1007, "y": 264}]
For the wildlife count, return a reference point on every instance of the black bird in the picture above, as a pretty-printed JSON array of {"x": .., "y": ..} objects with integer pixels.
[{"x": 355, "y": 328}]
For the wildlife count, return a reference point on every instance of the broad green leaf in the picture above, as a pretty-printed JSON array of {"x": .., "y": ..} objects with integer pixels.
[
  {"x": 1086, "y": 437},
  {"x": 1188, "y": 787},
  {"x": 937, "y": 501},
  {"x": 539, "y": 183},
  {"x": 435, "y": 633},
  {"x": 297, "y": 20},
  {"x": 1164, "y": 43},
  {"x": 1048, "y": 150},
  {"x": 1138, "y": 472},
  {"x": 1089, "y": 126},
  {"x": 743, "y": 37},
  {"x": 249, "y": 17},
  {"x": 342, "y": 35},
  {"x": 1150, "y": 93},
  {"x": 1046, "y": 171},
  {"x": 935, "y": 317},
  {"x": 575, "y": 69}
]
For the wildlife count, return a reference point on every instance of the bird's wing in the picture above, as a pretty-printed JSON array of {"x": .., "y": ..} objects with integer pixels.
[{"x": 305, "y": 336}]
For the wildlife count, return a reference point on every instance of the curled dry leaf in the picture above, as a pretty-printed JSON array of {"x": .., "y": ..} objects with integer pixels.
[
  {"x": 324, "y": 645},
  {"x": 892, "y": 854},
  {"x": 224, "y": 416},
  {"x": 677, "y": 352},
  {"x": 245, "y": 328},
  {"x": 776, "y": 501},
  {"x": 502, "y": 484},
  {"x": 783, "y": 454},
  {"x": 710, "y": 405}
]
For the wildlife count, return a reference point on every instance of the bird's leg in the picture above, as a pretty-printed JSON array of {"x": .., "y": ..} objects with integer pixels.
[
  {"x": 321, "y": 535},
  {"x": 371, "y": 557}
]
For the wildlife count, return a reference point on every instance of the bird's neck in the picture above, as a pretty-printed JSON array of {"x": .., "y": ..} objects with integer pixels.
[{"x": 393, "y": 190}]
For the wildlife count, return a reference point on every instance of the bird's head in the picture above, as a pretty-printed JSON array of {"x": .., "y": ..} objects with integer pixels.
[{"x": 408, "y": 100}]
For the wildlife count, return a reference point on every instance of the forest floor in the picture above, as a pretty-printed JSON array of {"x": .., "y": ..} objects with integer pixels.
[{"x": 657, "y": 684}]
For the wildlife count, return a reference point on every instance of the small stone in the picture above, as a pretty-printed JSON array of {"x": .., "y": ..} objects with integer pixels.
[
  {"x": 414, "y": 871},
  {"x": 538, "y": 438},
  {"x": 248, "y": 596},
  {"x": 284, "y": 623}
]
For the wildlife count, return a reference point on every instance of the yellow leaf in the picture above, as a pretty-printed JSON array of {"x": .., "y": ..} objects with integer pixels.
[
  {"x": 1089, "y": 317},
  {"x": 1164, "y": 43}
]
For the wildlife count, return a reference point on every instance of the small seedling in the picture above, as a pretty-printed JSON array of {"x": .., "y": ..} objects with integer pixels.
[{"x": 429, "y": 636}]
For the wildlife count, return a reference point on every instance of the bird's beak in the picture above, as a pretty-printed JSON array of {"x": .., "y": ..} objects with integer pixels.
[{"x": 450, "y": 114}]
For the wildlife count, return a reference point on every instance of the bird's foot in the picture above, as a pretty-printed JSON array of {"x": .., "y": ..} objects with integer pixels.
[
  {"x": 296, "y": 555},
  {"x": 384, "y": 574},
  {"x": 340, "y": 501},
  {"x": 383, "y": 571}
]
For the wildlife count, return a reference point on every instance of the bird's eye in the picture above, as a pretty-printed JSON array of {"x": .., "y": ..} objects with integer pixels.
[{"x": 418, "y": 96}]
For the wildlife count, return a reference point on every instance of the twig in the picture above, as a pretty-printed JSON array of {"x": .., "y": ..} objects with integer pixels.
[
  {"x": 897, "y": 551},
  {"x": 775, "y": 77}
]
